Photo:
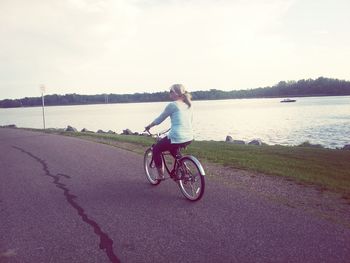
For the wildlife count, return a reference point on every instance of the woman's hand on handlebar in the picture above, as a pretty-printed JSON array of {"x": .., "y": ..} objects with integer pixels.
[{"x": 148, "y": 127}]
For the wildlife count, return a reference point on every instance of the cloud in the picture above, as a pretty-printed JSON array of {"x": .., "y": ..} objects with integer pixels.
[
  {"x": 98, "y": 46},
  {"x": 109, "y": 43},
  {"x": 51, "y": 40}
]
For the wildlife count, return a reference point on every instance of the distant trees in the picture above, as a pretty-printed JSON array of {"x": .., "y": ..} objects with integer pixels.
[
  {"x": 309, "y": 87},
  {"x": 319, "y": 87},
  {"x": 76, "y": 99}
]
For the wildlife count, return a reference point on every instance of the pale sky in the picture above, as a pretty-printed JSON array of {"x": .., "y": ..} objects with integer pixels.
[{"x": 128, "y": 46}]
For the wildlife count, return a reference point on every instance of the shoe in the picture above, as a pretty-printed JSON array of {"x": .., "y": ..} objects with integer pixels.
[
  {"x": 161, "y": 177},
  {"x": 160, "y": 174}
]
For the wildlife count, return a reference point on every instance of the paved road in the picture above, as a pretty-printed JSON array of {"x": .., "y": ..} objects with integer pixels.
[{"x": 68, "y": 200}]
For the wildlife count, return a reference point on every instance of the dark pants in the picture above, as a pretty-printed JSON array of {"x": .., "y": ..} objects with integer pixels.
[{"x": 165, "y": 145}]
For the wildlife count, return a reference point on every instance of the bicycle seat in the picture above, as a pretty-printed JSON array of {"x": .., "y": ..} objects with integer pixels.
[{"x": 177, "y": 153}]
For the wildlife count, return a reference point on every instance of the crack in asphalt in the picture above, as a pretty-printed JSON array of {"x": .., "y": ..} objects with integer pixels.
[{"x": 106, "y": 243}]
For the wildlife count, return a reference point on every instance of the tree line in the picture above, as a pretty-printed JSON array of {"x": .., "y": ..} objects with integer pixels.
[{"x": 309, "y": 87}]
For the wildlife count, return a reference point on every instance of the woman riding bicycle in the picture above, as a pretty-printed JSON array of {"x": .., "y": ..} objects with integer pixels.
[{"x": 181, "y": 133}]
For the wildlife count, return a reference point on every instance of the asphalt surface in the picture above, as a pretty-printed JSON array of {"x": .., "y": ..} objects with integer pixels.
[{"x": 64, "y": 199}]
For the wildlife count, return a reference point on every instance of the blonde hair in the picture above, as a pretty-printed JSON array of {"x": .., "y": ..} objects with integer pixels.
[{"x": 180, "y": 91}]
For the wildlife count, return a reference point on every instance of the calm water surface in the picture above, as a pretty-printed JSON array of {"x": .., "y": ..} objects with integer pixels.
[{"x": 323, "y": 120}]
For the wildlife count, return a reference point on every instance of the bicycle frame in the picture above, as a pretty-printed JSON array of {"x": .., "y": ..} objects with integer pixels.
[
  {"x": 175, "y": 165},
  {"x": 176, "y": 158},
  {"x": 167, "y": 168}
]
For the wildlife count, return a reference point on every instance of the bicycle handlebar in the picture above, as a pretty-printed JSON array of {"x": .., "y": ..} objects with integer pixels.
[{"x": 157, "y": 134}]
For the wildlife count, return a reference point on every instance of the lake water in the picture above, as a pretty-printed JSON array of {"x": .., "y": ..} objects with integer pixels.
[{"x": 319, "y": 120}]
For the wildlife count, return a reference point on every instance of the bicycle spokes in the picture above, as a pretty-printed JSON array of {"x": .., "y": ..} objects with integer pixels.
[
  {"x": 191, "y": 181},
  {"x": 149, "y": 167}
]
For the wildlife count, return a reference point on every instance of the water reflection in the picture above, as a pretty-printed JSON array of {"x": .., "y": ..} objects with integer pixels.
[{"x": 321, "y": 120}]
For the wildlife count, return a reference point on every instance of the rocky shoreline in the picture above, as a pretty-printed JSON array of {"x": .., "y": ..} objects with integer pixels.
[{"x": 228, "y": 139}]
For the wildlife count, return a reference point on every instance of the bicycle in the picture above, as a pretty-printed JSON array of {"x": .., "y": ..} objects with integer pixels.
[{"x": 186, "y": 170}]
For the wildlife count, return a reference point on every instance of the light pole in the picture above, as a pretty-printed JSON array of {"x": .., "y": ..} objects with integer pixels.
[{"x": 42, "y": 89}]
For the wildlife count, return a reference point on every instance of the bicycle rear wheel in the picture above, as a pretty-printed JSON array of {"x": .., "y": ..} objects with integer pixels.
[
  {"x": 191, "y": 181},
  {"x": 150, "y": 167}
]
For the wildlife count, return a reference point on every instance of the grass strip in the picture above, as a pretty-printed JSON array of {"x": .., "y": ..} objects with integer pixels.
[{"x": 326, "y": 168}]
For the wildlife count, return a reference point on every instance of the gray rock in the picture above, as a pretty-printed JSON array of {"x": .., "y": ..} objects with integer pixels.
[
  {"x": 71, "y": 129},
  {"x": 111, "y": 132},
  {"x": 127, "y": 132},
  {"x": 255, "y": 142},
  {"x": 308, "y": 144},
  {"x": 9, "y": 126},
  {"x": 85, "y": 130},
  {"x": 229, "y": 138},
  {"x": 346, "y": 147},
  {"x": 101, "y": 131}
]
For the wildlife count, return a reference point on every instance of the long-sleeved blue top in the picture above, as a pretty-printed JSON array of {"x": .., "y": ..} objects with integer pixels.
[{"x": 181, "y": 121}]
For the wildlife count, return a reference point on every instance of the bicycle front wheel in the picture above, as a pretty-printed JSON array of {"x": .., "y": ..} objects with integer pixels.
[
  {"x": 191, "y": 181},
  {"x": 150, "y": 167}
]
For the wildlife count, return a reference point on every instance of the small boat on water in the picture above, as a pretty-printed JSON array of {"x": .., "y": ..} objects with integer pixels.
[{"x": 288, "y": 100}]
